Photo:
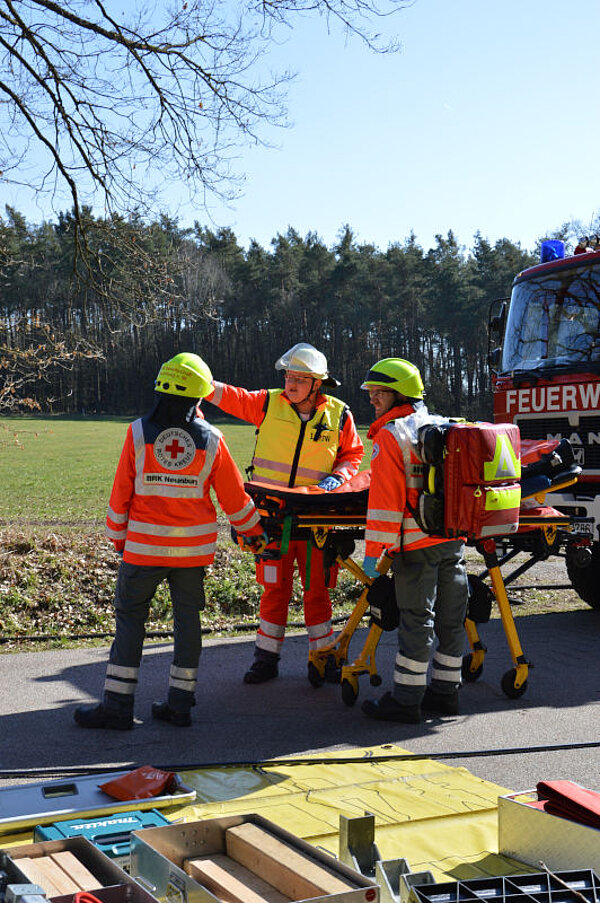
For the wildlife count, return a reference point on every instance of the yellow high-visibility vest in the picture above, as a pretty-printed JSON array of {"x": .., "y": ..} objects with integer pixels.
[{"x": 294, "y": 452}]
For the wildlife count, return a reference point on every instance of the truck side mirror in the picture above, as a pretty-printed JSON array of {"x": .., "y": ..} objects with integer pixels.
[
  {"x": 494, "y": 358},
  {"x": 496, "y": 325},
  {"x": 498, "y": 320}
]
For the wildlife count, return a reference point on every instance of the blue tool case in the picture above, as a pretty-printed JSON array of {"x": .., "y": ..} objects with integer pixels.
[{"x": 111, "y": 834}]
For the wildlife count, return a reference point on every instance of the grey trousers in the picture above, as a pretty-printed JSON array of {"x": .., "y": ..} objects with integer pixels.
[
  {"x": 136, "y": 586},
  {"x": 431, "y": 594}
]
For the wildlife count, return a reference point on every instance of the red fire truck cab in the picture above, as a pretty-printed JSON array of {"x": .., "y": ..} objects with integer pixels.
[{"x": 545, "y": 362}]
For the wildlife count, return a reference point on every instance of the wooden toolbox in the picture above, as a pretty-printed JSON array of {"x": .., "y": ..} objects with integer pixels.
[
  {"x": 241, "y": 859},
  {"x": 63, "y": 868}
]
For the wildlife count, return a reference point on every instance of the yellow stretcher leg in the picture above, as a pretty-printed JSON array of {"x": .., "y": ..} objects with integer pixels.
[
  {"x": 336, "y": 652},
  {"x": 514, "y": 682},
  {"x": 473, "y": 663}
]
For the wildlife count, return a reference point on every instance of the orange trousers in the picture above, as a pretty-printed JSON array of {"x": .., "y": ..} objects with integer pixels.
[{"x": 276, "y": 576}]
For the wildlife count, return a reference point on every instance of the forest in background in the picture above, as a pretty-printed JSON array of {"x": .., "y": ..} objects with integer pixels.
[{"x": 144, "y": 291}]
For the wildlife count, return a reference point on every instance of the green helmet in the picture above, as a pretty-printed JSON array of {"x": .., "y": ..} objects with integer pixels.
[
  {"x": 185, "y": 374},
  {"x": 397, "y": 374}
]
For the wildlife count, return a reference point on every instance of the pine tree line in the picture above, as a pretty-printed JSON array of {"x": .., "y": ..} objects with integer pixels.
[{"x": 155, "y": 289}]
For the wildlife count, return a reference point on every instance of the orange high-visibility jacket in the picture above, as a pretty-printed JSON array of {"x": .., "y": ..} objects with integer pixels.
[
  {"x": 290, "y": 451},
  {"x": 394, "y": 490},
  {"x": 160, "y": 511}
]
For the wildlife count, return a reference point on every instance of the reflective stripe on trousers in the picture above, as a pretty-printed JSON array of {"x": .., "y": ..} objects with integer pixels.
[
  {"x": 431, "y": 592},
  {"x": 270, "y": 637},
  {"x": 408, "y": 672}
]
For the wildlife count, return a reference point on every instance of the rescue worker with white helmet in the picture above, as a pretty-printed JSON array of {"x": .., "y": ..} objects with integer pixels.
[
  {"x": 304, "y": 438},
  {"x": 162, "y": 520},
  {"x": 430, "y": 577}
]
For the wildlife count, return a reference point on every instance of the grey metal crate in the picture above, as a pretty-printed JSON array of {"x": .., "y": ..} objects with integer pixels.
[
  {"x": 533, "y": 836},
  {"x": 158, "y": 854}
]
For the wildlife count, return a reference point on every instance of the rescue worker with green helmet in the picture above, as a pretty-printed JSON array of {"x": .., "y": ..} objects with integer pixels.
[
  {"x": 162, "y": 520},
  {"x": 430, "y": 577},
  {"x": 304, "y": 438}
]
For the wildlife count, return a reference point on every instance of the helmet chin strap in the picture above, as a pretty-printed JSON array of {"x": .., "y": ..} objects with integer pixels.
[{"x": 314, "y": 390}]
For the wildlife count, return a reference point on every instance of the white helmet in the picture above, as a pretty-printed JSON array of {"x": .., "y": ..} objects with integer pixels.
[{"x": 306, "y": 359}]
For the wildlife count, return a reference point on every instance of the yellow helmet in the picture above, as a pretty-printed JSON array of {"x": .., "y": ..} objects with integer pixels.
[
  {"x": 397, "y": 374},
  {"x": 185, "y": 374}
]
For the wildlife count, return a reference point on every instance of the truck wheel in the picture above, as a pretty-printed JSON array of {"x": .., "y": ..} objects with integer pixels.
[{"x": 585, "y": 580}]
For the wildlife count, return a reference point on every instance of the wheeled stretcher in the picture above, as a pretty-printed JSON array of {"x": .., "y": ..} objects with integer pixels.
[{"x": 334, "y": 521}]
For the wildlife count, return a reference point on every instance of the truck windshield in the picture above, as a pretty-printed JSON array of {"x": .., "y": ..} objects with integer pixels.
[{"x": 554, "y": 320}]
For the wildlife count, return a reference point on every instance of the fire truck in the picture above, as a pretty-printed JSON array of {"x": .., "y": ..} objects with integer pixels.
[{"x": 544, "y": 356}]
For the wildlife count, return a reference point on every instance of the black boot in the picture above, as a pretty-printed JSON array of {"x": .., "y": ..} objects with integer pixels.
[
  {"x": 99, "y": 716},
  {"x": 388, "y": 709},
  {"x": 162, "y": 711},
  {"x": 261, "y": 670},
  {"x": 440, "y": 703}
]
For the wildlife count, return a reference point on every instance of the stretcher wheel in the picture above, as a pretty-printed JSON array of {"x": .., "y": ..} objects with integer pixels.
[
  {"x": 467, "y": 675},
  {"x": 349, "y": 692},
  {"x": 508, "y": 685},
  {"x": 333, "y": 670},
  {"x": 375, "y": 680},
  {"x": 314, "y": 676}
]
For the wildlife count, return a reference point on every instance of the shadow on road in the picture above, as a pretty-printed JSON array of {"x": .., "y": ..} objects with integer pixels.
[{"x": 236, "y": 723}]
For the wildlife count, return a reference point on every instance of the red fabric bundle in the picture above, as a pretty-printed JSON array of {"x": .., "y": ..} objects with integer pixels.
[
  {"x": 141, "y": 784},
  {"x": 570, "y": 800}
]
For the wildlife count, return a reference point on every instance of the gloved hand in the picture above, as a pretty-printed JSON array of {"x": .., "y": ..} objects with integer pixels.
[
  {"x": 329, "y": 483},
  {"x": 369, "y": 566},
  {"x": 256, "y": 544}
]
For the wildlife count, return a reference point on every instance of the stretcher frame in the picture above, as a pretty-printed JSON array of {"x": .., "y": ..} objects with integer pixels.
[{"x": 334, "y": 529}]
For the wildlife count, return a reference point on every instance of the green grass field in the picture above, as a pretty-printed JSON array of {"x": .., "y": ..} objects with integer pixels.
[
  {"x": 60, "y": 471},
  {"x": 57, "y": 570}
]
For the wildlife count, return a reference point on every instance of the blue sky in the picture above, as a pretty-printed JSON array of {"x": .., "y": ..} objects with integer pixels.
[{"x": 487, "y": 119}]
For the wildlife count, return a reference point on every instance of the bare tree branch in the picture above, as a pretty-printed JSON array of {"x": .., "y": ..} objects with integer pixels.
[
  {"x": 113, "y": 112},
  {"x": 124, "y": 109}
]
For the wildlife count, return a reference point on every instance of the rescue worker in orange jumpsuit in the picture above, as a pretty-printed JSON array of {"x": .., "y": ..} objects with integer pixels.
[
  {"x": 304, "y": 438},
  {"x": 162, "y": 520},
  {"x": 430, "y": 578}
]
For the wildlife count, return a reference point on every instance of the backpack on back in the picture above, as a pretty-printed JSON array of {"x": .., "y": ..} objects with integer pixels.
[{"x": 471, "y": 480}]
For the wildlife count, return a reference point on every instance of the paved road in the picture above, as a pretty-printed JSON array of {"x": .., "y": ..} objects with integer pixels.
[{"x": 287, "y": 717}]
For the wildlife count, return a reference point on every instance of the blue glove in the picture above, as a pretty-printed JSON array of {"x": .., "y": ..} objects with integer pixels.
[
  {"x": 369, "y": 566},
  {"x": 330, "y": 482}
]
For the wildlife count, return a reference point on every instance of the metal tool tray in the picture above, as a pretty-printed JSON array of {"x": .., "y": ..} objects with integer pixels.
[
  {"x": 158, "y": 854},
  {"x": 27, "y": 805}
]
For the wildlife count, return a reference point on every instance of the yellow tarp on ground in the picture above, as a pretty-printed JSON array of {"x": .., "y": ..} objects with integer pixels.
[{"x": 439, "y": 818}]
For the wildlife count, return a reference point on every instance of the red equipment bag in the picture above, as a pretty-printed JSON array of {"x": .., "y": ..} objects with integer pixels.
[{"x": 472, "y": 478}]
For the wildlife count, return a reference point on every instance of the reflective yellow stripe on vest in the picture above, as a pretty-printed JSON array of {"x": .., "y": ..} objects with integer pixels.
[{"x": 280, "y": 433}]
